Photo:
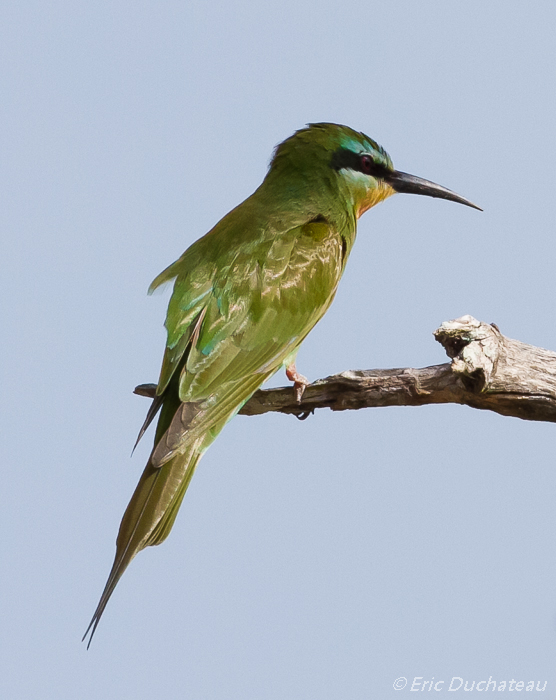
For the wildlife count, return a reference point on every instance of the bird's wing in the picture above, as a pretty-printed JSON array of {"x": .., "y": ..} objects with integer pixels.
[
  {"x": 263, "y": 299},
  {"x": 265, "y": 296},
  {"x": 183, "y": 328}
]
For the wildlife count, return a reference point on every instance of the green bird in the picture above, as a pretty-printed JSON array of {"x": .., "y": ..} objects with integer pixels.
[{"x": 245, "y": 296}]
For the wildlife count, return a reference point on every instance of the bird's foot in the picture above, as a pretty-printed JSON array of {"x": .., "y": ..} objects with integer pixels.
[{"x": 299, "y": 381}]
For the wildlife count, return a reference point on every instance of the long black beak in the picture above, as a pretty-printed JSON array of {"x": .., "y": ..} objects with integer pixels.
[{"x": 410, "y": 184}]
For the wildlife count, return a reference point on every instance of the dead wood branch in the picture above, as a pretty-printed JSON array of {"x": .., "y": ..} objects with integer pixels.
[{"x": 487, "y": 371}]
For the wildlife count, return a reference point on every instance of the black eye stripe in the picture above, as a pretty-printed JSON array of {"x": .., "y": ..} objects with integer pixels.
[{"x": 344, "y": 158}]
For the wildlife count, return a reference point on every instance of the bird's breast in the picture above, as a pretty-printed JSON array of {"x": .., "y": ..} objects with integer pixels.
[{"x": 303, "y": 268}]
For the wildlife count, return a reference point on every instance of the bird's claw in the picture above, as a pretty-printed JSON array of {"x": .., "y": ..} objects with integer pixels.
[
  {"x": 299, "y": 390},
  {"x": 299, "y": 381}
]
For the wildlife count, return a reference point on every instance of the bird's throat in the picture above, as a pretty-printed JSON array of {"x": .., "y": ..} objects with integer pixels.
[{"x": 374, "y": 196}]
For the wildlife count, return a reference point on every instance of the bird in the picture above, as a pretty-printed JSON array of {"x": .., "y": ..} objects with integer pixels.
[{"x": 245, "y": 296}]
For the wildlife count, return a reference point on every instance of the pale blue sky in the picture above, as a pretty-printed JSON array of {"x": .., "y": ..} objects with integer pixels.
[{"x": 315, "y": 560}]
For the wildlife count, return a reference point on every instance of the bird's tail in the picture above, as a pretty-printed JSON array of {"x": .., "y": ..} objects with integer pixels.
[
  {"x": 184, "y": 432},
  {"x": 150, "y": 514}
]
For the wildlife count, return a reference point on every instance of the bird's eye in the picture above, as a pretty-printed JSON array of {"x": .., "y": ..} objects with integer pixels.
[{"x": 367, "y": 165}]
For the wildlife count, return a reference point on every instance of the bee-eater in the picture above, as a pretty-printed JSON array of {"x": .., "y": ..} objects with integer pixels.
[{"x": 245, "y": 296}]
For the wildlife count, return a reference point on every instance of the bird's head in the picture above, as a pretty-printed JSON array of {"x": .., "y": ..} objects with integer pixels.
[{"x": 354, "y": 163}]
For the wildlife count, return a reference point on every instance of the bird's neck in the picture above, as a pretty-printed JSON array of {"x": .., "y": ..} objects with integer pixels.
[{"x": 304, "y": 196}]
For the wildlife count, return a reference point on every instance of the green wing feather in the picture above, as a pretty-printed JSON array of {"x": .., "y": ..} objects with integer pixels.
[{"x": 245, "y": 296}]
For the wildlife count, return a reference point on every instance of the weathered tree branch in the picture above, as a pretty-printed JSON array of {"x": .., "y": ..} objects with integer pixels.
[{"x": 487, "y": 371}]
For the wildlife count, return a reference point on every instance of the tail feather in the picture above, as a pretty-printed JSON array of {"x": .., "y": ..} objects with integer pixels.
[
  {"x": 149, "y": 517},
  {"x": 184, "y": 432}
]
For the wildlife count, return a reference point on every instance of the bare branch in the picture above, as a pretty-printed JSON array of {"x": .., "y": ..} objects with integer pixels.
[{"x": 487, "y": 371}]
